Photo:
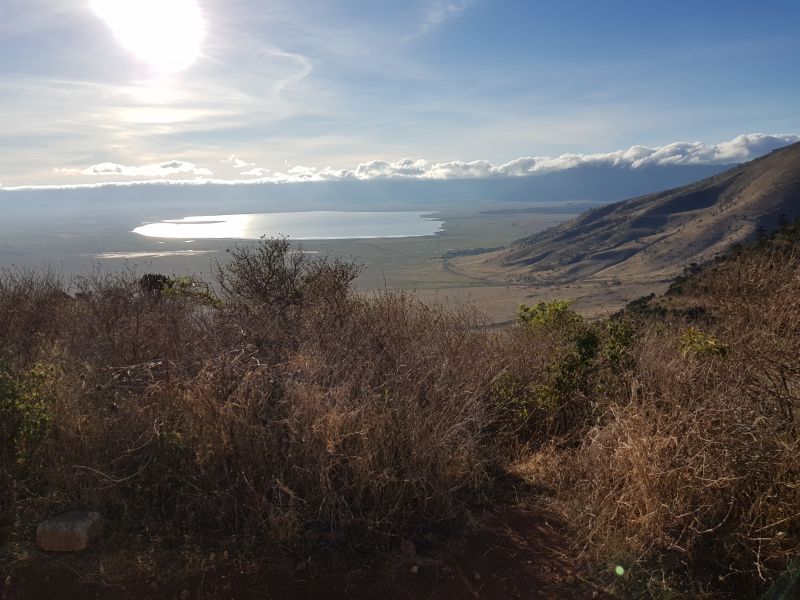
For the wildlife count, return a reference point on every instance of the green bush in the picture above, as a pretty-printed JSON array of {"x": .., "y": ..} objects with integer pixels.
[
  {"x": 618, "y": 335},
  {"x": 552, "y": 400},
  {"x": 547, "y": 314},
  {"x": 24, "y": 422},
  {"x": 24, "y": 416},
  {"x": 694, "y": 341}
]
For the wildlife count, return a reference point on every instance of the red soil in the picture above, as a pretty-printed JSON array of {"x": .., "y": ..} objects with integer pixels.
[{"x": 517, "y": 553}]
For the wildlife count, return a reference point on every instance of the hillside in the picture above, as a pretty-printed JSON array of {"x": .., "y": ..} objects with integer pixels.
[{"x": 657, "y": 235}]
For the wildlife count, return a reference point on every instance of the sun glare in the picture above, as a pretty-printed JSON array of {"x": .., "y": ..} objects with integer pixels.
[{"x": 164, "y": 34}]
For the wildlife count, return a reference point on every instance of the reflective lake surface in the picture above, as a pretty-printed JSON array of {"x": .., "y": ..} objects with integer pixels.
[{"x": 309, "y": 225}]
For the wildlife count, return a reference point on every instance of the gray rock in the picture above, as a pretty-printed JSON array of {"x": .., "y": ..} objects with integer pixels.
[{"x": 69, "y": 532}]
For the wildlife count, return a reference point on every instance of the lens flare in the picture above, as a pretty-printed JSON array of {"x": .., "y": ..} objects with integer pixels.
[{"x": 167, "y": 35}]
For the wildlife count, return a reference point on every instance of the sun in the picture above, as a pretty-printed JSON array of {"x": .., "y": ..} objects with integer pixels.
[{"x": 164, "y": 34}]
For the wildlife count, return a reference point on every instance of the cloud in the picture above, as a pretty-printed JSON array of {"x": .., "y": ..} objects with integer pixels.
[
  {"x": 755, "y": 144},
  {"x": 438, "y": 12},
  {"x": 173, "y": 167},
  {"x": 303, "y": 63},
  {"x": 256, "y": 172},
  {"x": 740, "y": 149},
  {"x": 238, "y": 163},
  {"x": 381, "y": 169}
]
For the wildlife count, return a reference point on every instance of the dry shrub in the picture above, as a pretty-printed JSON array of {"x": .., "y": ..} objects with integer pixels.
[
  {"x": 30, "y": 304},
  {"x": 287, "y": 405},
  {"x": 694, "y": 472},
  {"x": 375, "y": 422}
]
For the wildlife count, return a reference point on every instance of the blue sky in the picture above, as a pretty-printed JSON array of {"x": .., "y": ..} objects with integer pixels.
[{"x": 281, "y": 89}]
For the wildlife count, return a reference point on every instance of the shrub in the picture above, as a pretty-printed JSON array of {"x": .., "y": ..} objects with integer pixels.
[
  {"x": 292, "y": 407},
  {"x": 545, "y": 391},
  {"x": 272, "y": 274},
  {"x": 693, "y": 341},
  {"x": 289, "y": 406},
  {"x": 24, "y": 422},
  {"x": 690, "y": 474},
  {"x": 555, "y": 313},
  {"x": 189, "y": 287}
]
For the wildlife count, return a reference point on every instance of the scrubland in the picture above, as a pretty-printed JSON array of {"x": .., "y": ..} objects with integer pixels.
[{"x": 275, "y": 405}]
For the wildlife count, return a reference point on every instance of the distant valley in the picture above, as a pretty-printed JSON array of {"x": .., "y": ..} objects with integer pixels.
[
  {"x": 75, "y": 228},
  {"x": 500, "y": 242},
  {"x": 613, "y": 253}
]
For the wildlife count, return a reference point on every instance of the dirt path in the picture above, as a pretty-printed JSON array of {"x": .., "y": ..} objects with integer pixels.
[{"x": 516, "y": 553}]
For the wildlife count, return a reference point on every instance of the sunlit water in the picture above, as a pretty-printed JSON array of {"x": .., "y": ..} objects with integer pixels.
[{"x": 311, "y": 225}]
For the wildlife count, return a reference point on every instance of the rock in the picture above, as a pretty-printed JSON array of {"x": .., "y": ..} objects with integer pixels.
[
  {"x": 69, "y": 532},
  {"x": 408, "y": 548}
]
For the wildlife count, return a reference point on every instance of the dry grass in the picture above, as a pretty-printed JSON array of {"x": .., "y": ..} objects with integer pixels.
[
  {"x": 287, "y": 409},
  {"x": 693, "y": 472}
]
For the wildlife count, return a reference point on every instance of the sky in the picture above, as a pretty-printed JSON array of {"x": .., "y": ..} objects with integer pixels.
[{"x": 94, "y": 91}]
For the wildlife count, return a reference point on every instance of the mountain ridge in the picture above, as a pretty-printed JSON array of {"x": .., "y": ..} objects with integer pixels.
[{"x": 657, "y": 235}]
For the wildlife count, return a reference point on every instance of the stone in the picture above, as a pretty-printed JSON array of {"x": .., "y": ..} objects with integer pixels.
[{"x": 69, "y": 532}]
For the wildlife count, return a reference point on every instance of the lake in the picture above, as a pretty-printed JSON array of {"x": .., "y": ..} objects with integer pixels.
[{"x": 308, "y": 225}]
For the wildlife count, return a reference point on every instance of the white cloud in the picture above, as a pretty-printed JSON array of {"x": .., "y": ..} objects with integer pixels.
[
  {"x": 256, "y": 172},
  {"x": 740, "y": 149},
  {"x": 406, "y": 167},
  {"x": 303, "y": 64},
  {"x": 438, "y": 12},
  {"x": 238, "y": 163},
  {"x": 173, "y": 167}
]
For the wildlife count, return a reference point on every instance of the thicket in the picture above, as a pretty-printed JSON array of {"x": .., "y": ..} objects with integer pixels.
[
  {"x": 689, "y": 479},
  {"x": 276, "y": 405}
]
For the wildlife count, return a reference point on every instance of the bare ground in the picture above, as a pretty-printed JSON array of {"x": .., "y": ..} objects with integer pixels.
[{"x": 515, "y": 552}]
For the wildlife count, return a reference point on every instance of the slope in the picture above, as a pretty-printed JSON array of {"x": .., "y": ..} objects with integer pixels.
[{"x": 657, "y": 235}]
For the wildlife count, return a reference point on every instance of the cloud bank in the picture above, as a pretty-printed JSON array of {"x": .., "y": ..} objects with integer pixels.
[
  {"x": 173, "y": 167},
  {"x": 740, "y": 149}
]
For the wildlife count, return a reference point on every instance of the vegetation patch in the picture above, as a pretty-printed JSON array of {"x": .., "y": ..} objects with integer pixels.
[{"x": 274, "y": 407}]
